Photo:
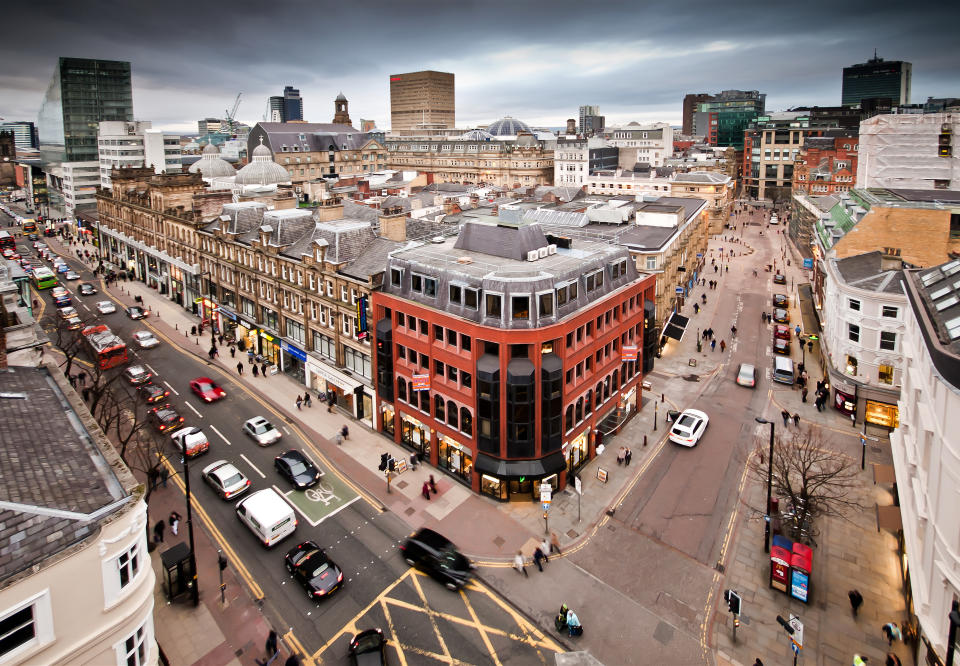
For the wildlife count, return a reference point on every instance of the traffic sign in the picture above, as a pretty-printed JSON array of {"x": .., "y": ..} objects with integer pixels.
[
  {"x": 578, "y": 486},
  {"x": 797, "y": 636},
  {"x": 546, "y": 493}
]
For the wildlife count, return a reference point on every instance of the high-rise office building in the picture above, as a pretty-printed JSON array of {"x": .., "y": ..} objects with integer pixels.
[
  {"x": 422, "y": 101},
  {"x": 286, "y": 107},
  {"x": 722, "y": 119},
  {"x": 877, "y": 79},
  {"x": 135, "y": 144},
  {"x": 208, "y": 125},
  {"x": 82, "y": 93},
  {"x": 24, "y": 134},
  {"x": 690, "y": 104},
  {"x": 586, "y": 111}
]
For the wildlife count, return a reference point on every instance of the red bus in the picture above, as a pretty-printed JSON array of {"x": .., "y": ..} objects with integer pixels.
[
  {"x": 107, "y": 350},
  {"x": 6, "y": 241}
]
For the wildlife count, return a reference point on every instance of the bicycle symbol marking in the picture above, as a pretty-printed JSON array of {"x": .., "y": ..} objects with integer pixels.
[{"x": 321, "y": 493}]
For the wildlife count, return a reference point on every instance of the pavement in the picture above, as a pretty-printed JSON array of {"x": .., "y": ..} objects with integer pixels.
[{"x": 851, "y": 553}]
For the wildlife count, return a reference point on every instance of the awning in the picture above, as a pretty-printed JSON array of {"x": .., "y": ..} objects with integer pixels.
[
  {"x": 883, "y": 474},
  {"x": 888, "y": 518},
  {"x": 534, "y": 469},
  {"x": 675, "y": 326}
]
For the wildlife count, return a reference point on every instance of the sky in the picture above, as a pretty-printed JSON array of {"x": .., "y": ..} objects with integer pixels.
[{"x": 536, "y": 61}]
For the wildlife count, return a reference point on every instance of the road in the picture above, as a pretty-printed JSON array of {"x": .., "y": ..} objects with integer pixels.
[{"x": 417, "y": 614}]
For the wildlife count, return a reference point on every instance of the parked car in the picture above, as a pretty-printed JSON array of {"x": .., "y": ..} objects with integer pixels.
[
  {"x": 146, "y": 339},
  {"x": 86, "y": 289},
  {"x": 747, "y": 375},
  {"x": 781, "y": 315},
  {"x": 689, "y": 426},
  {"x": 368, "y": 648},
  {"x": 137, "y": 374},
  {"x": 150, "y": 392},
  {"x": 106, "y": 307},
  {"x": 225, "y": 479},
  {"x": 190, "y": 440},
  {"x": 67, "y": 312},
  {"x": 781, "y": 331},
  {"x": 206, "y": 389},
  {"x": 165, "y": 417},
  {"x": 433, "y": 552},
  {"x": 779, "y": 278},
  {"x": 781, "y": 301},
  {"x": 136, "y": 312},
  {"x": 261, "y": 430},
  {"x": 318, "y": 574},
  {"x": 781, "y": 346},
  {"x": 297, "y": 469}
]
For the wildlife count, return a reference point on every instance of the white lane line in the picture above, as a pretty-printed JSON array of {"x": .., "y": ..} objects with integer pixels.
[
  {"x": 85, "y": 307},
  {"x": 172, "y": 390},
  {"x": 194, "y": 409},
  {"x": 214, "y": 428},
  {"x": 286, "y": 430},
  {"x": 155, "y": 373},
  {"x": 255, "y": 469}
]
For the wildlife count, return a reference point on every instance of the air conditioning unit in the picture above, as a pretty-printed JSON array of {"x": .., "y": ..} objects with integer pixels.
[
  {"x": 532, "y": 255},
  {"x": 552, "y": 248},
  {"x": 464, "y": 260},
  {"x": 542, "y": 252}
]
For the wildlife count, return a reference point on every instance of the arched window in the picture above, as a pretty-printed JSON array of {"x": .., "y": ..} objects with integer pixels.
[
  {"x": 606, "y": 388},
  {"x": 588, "y": 403},
  {"x": 438, "y": 407},
  {"x": 451, "y": 414},
  {"x": 401, "y": 389},
  {"x": 466, "y": 421},
  {"x": 568, "y": 418},
  {"x": 615, "y": 383},
  {"x": 579, "y": 412},
  {"x": 599, "y": 394}
]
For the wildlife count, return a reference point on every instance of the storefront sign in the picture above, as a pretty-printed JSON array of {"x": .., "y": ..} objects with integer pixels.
[
  {"x": 602, "y": 474},
  {"x": 362, "y": 332},
  {"x": 331, "y": 375},
  {"x": 808, "y": 263},
  {"x": 628, "y": 353},
  {"x": 798, "y": 585},
  {"x": 298, "y": 354},
  {"x": 546, "y": 494},
  {"x": 266, "y": 336},
  {"x": 227, "y": 313},
  {"x": 421, "y": 382}
]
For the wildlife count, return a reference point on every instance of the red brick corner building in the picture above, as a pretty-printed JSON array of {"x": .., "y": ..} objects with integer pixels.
[{"x": 500, "y": 351}]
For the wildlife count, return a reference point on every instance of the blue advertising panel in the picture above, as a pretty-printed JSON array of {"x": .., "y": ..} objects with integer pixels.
[
  {"x": 807, "y": 263},
  {"x": 798, "y": 585},
  {"x": 293, "y": 351}
]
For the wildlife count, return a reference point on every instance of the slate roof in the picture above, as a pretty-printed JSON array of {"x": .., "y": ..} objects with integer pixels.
[
  {"x": 709, "y": 177},
  {"x": 54, "y": 475},
  {"x": 242, "y": 217},
  {"x": 317, "y": 136},
  {"x": 940, "y": 296},
  {"x": 373, "y": 259},
  {"x": 288, "y": 225},
  {"x": 345, "y": 238},
  {"x": 864, "y": 271}
]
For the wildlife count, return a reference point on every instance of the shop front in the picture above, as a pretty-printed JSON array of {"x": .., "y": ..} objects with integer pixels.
[
  {"x": 347, "y": 393},
  {"x": 416, "y": 435},
  {"x": 882, "y": 414},
  {"x": 387, "y": 416},
  {"x": 247, "y": 336},
  {"x": 519, "y": 480},
  {"x": 576, "y": 454},
  {"x": 294, "y": 361},
  {"x": 207, "y": 311},
  {"x": 455, "y": 459},
  {"x": 270, "y": 348},
  {"x": 229, "y": 322}
]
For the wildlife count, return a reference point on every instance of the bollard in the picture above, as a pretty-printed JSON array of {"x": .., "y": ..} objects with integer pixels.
[
  {"x": 644, "y": 440},
  {"x": 661, "y": 397}
]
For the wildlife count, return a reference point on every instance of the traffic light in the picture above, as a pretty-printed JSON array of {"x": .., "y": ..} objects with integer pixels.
[
  {"x": 733, "y": 601},
  {"x": 384, "y": 457},
  {"x": 392, "y": 465},
  {"x": 785, "y": 625}
]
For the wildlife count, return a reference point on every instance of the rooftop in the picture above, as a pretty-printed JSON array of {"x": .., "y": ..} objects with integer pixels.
[{"x": 867, "y": 271}]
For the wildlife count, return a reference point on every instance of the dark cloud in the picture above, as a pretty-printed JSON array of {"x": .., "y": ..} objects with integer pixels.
[{"x": 534, "y": 60}]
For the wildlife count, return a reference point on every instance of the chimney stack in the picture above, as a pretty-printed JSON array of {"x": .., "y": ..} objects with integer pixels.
[
  {"x": 329, "y": 209},
  {"x": 393, "y": 223}
]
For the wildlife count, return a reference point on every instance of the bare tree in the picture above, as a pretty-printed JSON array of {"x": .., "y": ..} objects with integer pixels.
[
  {"x": 67, "y": 339},
  {"x": 810, "y": 476}
]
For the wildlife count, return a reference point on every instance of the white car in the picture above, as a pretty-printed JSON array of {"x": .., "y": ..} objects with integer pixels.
[
  {"x": 72, "y": 275},
  {"x": 106, "y": 307},
  {"x": 146, "y": 339},
  {"x": 262, "y": 431},
  {"x": 228, "y": 481},
  {"x": 747, "y": 375},
  {"x": 689, "y": 427}
]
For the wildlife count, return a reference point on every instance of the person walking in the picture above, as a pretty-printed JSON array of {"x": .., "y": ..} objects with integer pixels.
[
  {"x": 803, "y": 394},
  {"x": 856, "y": 600},
  {"x": 859, "y": 660},
  {"x": 425, "y": 491},
  {"x": 786, "y": 417},
  {"x": 174, "y": 522},
  {"x": 307, "y": 400},
  {"x": 538, "y": 558},
  {"x": 256, "y": 370},
  {"x": 271, "y": 645},
  {"x": 82, "y": 378},
  {"x": 433, "y": 485},
  {"x": 240, "y": 369},
  {"x": 152, "y": 477},
  {"x": 158, "y": 528},
  {"x": 263, "y": 369},
  {"x": 345, "y": 431},
  {"x": 518, "y": 564},
  {"x": 620, "y": 454},
  {"x": 892, "y": 660},
  {"x": 164, "y": 475},
  {"x": 713, "y": 345},
  {"x": 330, "y": 401},
  {"x": 545, "y": 548},
  {"x": 339, "y": 439},
  {"x": 733, "y": 331},
  {"x": 796, "y": 420},
  {"x": 554, "y": 543},
  {"x": 299, "y": 402},
  {"x": 723, "y": 346},
  {"x": 233, "y": 351},
  {"x": 892, "y": 632},
  {"x": 627, "y": 455}
]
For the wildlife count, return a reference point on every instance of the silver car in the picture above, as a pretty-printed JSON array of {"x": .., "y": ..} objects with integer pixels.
[
  {"x": 262, "y": 431},
  {"x": 146, "y": 339},
  {"x": 106, "y": 307},
  {"x": 747, "y": 375},
  {"x": 228, "y": 481}
]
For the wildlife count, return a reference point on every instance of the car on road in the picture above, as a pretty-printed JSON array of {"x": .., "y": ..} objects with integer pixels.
[
  {"x": 61, "y": 297},
  {"x": 72, "y": 275},
  {"x": 747, "y": 375},
  {"x": 779, "y": 278},
  {"x": 146, "y": 339},
  {"x": 429, "y": 550},
  {"x": 164, "y": 417},
  {"x": 225, "y": 479},
  {"x": 368, "y": 648},
  {"x": 190, "y": 440},
  {"x": 74, "y": 323},
  {"x": 68, "y": 312},
  {"x": 206, "y": 389},
  {"x": 33, "y": 237},
  {"x": 317, "y": 573},
  {"x": 781, "y": 346},
  {"x": 106, "y": 307},
  {"x": 86, "y": 289},
  {"x": 150, "y": 392},
  {"x": 781, "y": 301},
  {"x": 62, "y": 267},
  {"x": 297, "y": 469},
  {"x": 781, "y": 331},
  {"x": 136, "y": 312},
  {"x": 261, "y": 430},
  {"x": 781, "y": 315},
  {"x": 689, "y": 426},
  {"x": 137, "y": 374}
]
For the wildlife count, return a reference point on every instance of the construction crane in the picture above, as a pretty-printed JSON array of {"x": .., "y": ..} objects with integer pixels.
[{"x": 232, "y": 115}]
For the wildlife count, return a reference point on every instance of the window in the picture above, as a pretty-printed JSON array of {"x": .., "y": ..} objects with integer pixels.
[
  {"x": 128, "y": 564},
  {"x": 853, "y": 332},
  {"x": 17, "y": 629},
  {"x": 885, "y": 374},
  {"x": 451, "y": 337},
  {"x": 438, "y": 408},
  {"x": 852, "y": 365},
  {"x": 466, "y": 380},
  {"x": 494, "y": 304},
  {"x": 521, "y": 307},
  {"x": 416, "y": 282},
  {"x": 423, "y": 327},
  {"x": 295, "y": 330},
  {"x": 451, "y": 373},
  {"x": 438, "y": 368},
  {"x": 357, "y": 362},
  {"x": 401, "y": 389},
  {"x": 326, "y": 347},
  {"x": 891, "y": 311},
  {"x": 438, "y": 333},
  {"x": 545, "y": 304},
  {"x": 651, "y": 263},
  {"x": 471, "y": 298},
  {"x": 133, "y": 651},
  {"x": 888, "y": 340},
  {"x": 456, "y": 294},
  {"x": 395, "y": 275},
  {"x": 465, "y": 343},
  {"x": 854, "y": 304},
  {"x": 430, "y": 287},
  {"x": 594, "y": 281}
]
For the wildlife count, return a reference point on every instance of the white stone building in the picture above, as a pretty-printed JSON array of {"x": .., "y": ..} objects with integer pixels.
[
  {"x": 79, "y": 184},
  {"x": 573, "y": 159},
  {"x": 650, "y": 144},
  {"x": 926, "y": 452},
  {"x": 125, "y": 144},
  {"x": 910, "y": 151}
]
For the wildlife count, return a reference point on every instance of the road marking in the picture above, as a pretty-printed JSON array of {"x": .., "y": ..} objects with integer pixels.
[
  {"x": 305, "y": 516},
  {"x": 191, "y": 407},
  {"x": 155, "y": 373},
  {"x": 213, "y": 428},
  {"x": 286, "y": 430},
  {"x": 173, "y": 390},
  {"x": 255, "y": 468}
]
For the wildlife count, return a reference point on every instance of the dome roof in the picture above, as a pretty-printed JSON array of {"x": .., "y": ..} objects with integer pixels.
[
  {"x": 508, "y": 126},
  {"x": 211, "y": 165},
  {"x": 477, "y": 135},
  {"x": 341, "y": 97},
  {"x": 262, "y": 170}
]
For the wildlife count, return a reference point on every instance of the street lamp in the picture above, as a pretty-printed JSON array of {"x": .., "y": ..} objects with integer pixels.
[
  {"x": 766, "y": 530},
  {"x": 194, "y": 587}
]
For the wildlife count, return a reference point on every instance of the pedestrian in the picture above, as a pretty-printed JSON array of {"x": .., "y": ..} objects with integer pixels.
[
  {"x": 158, "y": 531},
  {"x": 152, "y": 477},
  {"x": 892, "y": 632},
  {"x": 856, "y": 600},
  {"x": 73, "y": 381},
  {"x": 307, "y": 400},
  {"x": 733, "y": 331},
  {"x": 414, "y": 462},
  {"x": 250, "y": 356},
  {"x": 263, "y": 369},
  {"x": 713, "y": 345},
  {"x": 233, "y": 351},
  {"x": 433, "y": 485},
  {"x": 425, "y": 491},
  {"x": 620, "y": 454},
  {"x": 892, "y": 659},
  {"x": 345, "y": 431},
  {"x": 723, "y": 346},
  {"x": 299, "y": 401},
  {"x": 82, "y": 378},
  {"x": 164, "y": 475},
  {"x": 786, "y": 417},
  {"x": 796, "y": 420},
  {"x": 554, "y": 543},
  {"x": 256, "y": 370},
  {"x": 330, "y": 401},
  {"x": 271, "y": 645},
  {"x": 174, "y": 522},
  {"x": 627, "y": 456},
  {"x": 757, "y": 662},
  {"x": 518, "y": 564},
  {"x": 240, "y": 368},
  {"x": 859, "y": 661},
  {"x": 573, "y": 624},
  {"x": 538, "y": 558},
  {"x": 803, "y": 394},
  {"x": 545, "y": 549},
  {"x": 220, "y": 339}
]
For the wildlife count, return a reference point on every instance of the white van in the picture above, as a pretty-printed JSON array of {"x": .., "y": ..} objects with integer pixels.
[
  {"x": 783, "y": 370},
  {"x": 267, "y": 516}
]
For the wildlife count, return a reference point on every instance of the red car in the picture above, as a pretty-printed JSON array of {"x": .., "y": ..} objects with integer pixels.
[{"x": 207, "y": 390}]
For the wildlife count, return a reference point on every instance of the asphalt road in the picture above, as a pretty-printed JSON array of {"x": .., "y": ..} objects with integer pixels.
[{"x": 419, "y": 615}]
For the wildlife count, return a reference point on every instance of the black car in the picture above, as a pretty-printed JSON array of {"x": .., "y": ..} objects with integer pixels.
[
  {"x": 33, "y": 237},
  {"x": 165, "y": 417},
  {"x": 780, "y": 301},
  {"x": 317, "y": 573},
  {"x": 779, "y": 278},
  {"x": 86, "y": 289},
  {"x": 295, "y": 467},
  {"x": 367, "y": 648},
  {"x": 152, "y": 393},
  {"x": 781, "y": 315},
  {"x": 435, "y": 554},
  {"x": 136, "y": 312}
]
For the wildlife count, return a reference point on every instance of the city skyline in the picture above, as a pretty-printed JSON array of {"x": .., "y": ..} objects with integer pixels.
[{"x": 537, "y": 65}]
